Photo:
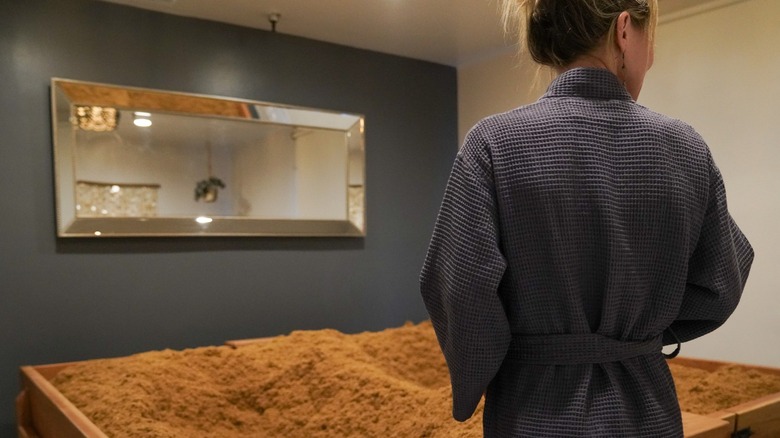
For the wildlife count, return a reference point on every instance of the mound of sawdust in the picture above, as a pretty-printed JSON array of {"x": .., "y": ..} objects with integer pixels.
[
  {"x": 315, "y": 384},
  {"x": 308, "y": 384},
  {"x": 704, "y": 392}
]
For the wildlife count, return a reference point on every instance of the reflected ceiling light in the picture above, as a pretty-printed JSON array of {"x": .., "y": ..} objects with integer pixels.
[
  {"x": 142, "y": 123},
  {"x": 115, "y": 189},
  {"x": 142, "y": 114},
  {"x": 98, "y": 233},
  {"x": 203, "y": 220}
]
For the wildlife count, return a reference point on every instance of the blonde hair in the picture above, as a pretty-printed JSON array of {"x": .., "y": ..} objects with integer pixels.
[{"x": 556, "y": 32}]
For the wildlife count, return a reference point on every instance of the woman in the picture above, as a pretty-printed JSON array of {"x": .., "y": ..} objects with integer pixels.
[{"x": 578, "y": 235}]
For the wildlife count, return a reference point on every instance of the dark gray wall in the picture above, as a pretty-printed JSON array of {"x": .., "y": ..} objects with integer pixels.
[{"x": 63, "y": 300}]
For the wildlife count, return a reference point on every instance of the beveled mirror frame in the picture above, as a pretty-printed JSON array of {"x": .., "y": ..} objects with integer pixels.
[{"x": 81, "y": 110}]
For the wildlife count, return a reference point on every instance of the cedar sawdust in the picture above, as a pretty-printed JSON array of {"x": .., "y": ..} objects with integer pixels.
[
  {"x": 314, "y": 384},
  {"x": 307, "y": 384},
  {"x": 704, "y": 392}
]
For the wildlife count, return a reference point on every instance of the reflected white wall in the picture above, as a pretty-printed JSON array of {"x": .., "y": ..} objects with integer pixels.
[
  {"x": 265, "y": 176},
  {"x": 321, "y": 160}
]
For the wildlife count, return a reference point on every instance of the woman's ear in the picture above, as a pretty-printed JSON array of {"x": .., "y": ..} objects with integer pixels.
[{"x": 621, "y": 31}]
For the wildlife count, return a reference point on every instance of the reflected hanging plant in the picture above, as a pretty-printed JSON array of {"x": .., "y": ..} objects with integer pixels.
[{"x": 208, "y": 189}]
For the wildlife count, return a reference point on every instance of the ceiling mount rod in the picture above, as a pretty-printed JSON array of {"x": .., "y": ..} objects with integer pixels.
[{"x": 273, "y": 18}]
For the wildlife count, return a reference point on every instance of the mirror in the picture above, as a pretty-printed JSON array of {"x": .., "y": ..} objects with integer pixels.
[{"x": 141, "y": 162}]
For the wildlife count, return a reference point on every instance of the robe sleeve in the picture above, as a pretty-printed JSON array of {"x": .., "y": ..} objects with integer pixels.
[
  {"x": 717, "y": 269},
  {"x": 460, "y": 278}
]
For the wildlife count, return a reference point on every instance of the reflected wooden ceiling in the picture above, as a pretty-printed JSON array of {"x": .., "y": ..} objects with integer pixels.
[{"x": 103, "y": 95}]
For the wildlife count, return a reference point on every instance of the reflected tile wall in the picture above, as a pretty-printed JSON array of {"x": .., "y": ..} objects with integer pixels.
[{"x": 95, "y": 199}]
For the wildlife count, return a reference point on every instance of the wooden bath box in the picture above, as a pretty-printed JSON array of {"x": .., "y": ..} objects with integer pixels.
[{"x": 43, "y": 412}]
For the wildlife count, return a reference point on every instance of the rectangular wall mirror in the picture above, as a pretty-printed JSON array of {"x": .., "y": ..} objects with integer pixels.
[{"x": 141, "y": 162}]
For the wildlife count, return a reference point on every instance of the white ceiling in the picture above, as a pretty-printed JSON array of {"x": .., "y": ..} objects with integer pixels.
[{"x": 451, "y": 32}]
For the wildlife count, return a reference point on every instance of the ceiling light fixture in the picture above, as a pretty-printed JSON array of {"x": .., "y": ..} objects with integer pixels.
[{"x": 273, "y": 18}]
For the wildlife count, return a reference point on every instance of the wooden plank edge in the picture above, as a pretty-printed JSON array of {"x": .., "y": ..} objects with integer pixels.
[
  {"x": 727, "y": 416},
  {"x": 49, "y": 371},
  {"x": 702, "y": 426},
  {"x": 761, "y": 416},
  {"x": 702, "y": 364},
  {"x": 243, "y": 342},
  {"x": 26, "y": 432},
  {"x": 714, "y": 365},
  {"x": 23, "y": 421},
  {"x": 49, "y": 410}
]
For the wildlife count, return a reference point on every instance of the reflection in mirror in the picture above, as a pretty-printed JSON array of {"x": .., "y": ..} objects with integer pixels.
[{"x": 139, "y": 162}]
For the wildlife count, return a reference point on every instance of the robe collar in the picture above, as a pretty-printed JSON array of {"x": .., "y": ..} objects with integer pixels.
[{"x": 588, "y": 82}]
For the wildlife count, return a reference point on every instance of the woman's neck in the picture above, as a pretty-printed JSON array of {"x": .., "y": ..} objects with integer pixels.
[{"x": 598, "y": 59}]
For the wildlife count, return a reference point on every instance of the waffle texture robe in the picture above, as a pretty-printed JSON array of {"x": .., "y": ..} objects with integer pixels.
[{"x": 573, "y": 234}]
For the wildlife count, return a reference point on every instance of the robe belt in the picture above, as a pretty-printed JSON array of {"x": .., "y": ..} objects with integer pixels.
[{"x": 568, "y": 349}]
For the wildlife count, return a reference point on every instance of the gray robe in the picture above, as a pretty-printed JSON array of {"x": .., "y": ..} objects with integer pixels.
[{"x": 576, "y": 236}]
